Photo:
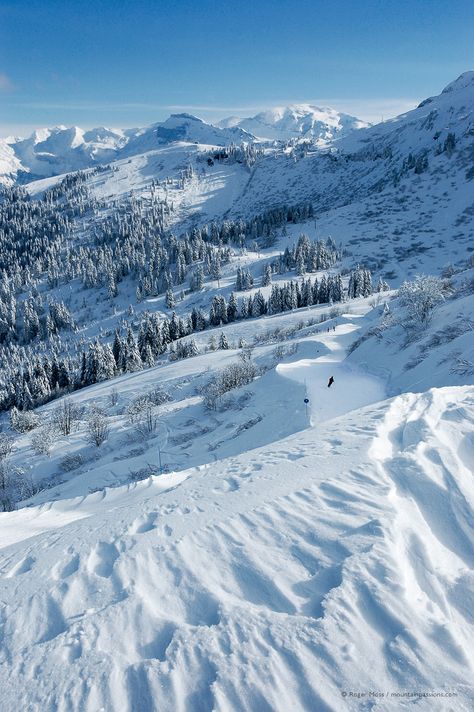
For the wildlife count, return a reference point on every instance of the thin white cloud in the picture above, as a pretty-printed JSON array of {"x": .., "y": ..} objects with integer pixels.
[
  {"x": 19, "y": 130},
  {"x": 369, "y": 109},
  {"x": 5, "y": 82},
  {"x": 372, "y": 110}
]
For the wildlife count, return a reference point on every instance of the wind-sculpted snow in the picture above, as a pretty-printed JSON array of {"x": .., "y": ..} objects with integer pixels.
[{"x": 337, "y": 560}]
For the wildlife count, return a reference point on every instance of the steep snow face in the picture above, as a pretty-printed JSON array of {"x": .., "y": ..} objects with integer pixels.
[
  {"x": 297, "y": 121},
  {"x": 9, "y": 163},
  {"x": 464, "y": 81},
  {"x": 421, "y": 128}
]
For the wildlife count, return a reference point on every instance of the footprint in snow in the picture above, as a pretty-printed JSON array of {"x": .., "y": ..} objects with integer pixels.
[
  {"x": 295, "y": 455},
  {"x": 229, "y": 485},
  {"x": 102, "y": 559},
  {"x": 22, "y": 567},
  {"x": 64, "y": 570},
  {"x": 144, "y": 524}
]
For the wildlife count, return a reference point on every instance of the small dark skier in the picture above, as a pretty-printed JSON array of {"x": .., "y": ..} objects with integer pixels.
[{"x": 330, "y": 382}]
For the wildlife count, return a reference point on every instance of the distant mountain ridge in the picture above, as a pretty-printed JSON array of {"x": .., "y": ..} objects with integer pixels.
[{"x": 53, "y": 151}]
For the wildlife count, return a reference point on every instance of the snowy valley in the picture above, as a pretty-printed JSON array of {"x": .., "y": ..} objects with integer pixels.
[{"x": 190, "y": 517}]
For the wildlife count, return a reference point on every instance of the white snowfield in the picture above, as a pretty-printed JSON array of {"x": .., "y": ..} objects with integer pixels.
[{"x": 332, "y": 563}]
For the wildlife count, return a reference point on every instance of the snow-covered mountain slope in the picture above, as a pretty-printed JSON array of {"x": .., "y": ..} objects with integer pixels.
[
  {"x": 402, "y": 185},
  {"x": 224, "y": 545},
  {"x": 183, "y": 128},
  {"x": 295, "y": 122},
  {"x": 9, "y": 163},
  {"x": 335, "y": 560},
  {"x": 415, "y": 360}
]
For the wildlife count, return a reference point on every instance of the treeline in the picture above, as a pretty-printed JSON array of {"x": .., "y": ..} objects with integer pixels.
[
  {"x": 246, "y": 153},
  {"x": 40, "y": 379}
]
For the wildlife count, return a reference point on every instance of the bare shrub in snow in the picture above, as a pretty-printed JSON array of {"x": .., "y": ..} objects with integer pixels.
[
  {"x": 158, "y": 396},
  {"x": 14, "y": 485},
  {"x": 280, "y": 351},
  {"x": 147, "y": 422},
  {"x": 448, "y": 271},
  {"x": 245, "y": 354},
  {"x": 23, "y": 484},
  {"x": 71, "y": 462},
  {"x": 66, "y": 416},
  {"x": 7, "y": 501},
  {"x": 462, "y": 367},
  {"x": 97, "y": 427},
  {"x": 451, "y": 331},
  {"x": 232, "y": 376},
  {"x": 137, "y": 408}
]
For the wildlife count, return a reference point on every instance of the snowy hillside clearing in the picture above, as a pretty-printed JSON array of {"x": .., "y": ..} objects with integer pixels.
[
  {"x": 187, "y": 434},
  {"x": 337, "y": 559}
]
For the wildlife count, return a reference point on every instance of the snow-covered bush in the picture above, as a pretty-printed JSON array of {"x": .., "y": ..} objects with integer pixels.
[
  {"x": 420, "y": 297},
  {"x": 232, "y": 376},
  {"x": 42, "y": 440},
  {"x": 136, "y": 408},
  {"x": 71, "y": 461},
  {"x": 158, "y": 396},
  {"x": 6, "y": 445},
  {"x": 97, "y": 427},
  {"x": 23, "y": 421}
]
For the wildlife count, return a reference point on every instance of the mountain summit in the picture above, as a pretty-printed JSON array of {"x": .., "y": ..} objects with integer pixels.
[{"x": 297, "y": 121}]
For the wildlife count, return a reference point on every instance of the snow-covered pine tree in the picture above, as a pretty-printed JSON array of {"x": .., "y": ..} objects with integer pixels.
[
  {"x": 223, "y": 342},
  {"x": 267, "y": 276}
]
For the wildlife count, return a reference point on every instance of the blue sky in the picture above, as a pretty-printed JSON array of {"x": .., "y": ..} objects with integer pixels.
[{"x": 127, "y": 63}]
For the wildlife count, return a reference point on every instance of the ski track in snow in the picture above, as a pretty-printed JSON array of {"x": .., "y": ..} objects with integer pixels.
[
  {"x": 354, "y": 389},
  {"x": 337, "y": 559}
]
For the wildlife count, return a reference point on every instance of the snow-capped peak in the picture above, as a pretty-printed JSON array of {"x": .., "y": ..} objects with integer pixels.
[
  {"x": 297, "y": 121},
  {"x": 465, "y": 80}
]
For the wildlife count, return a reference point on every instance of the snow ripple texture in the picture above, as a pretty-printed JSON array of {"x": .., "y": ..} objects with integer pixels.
[{"x": 275, "y": 580}]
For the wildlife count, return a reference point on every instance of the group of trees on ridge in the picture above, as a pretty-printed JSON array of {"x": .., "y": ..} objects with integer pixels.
[{"x": 43, "y": 378}]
